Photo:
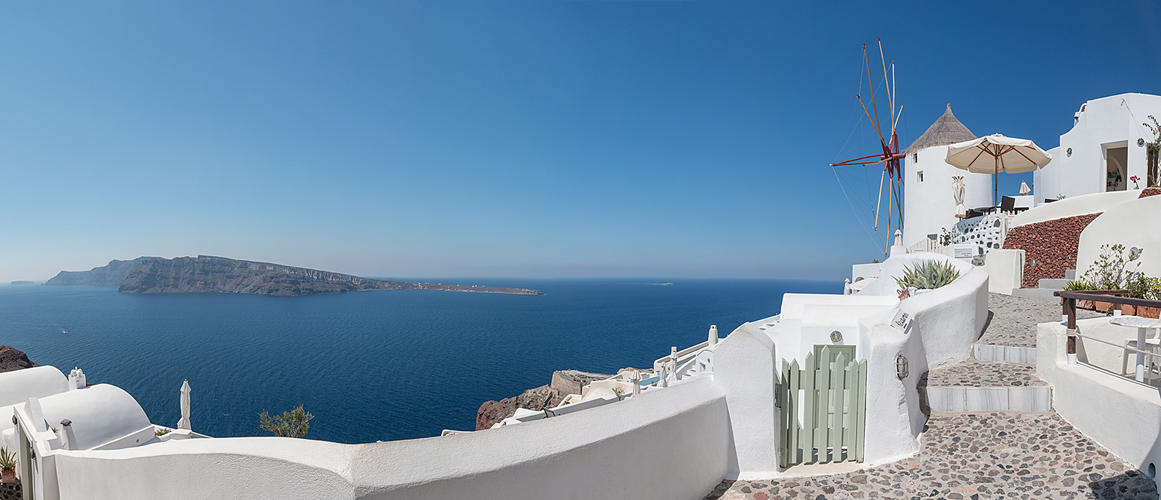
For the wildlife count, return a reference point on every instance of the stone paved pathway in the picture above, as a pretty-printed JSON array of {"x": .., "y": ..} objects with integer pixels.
[
  {"x": 974, "y": 373},
  {"x": 1014, "y": 319},
  {"x": 975, "y": 456}
]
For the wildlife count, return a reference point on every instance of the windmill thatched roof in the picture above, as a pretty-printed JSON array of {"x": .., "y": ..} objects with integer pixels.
[{"x": 946, "y": 130}]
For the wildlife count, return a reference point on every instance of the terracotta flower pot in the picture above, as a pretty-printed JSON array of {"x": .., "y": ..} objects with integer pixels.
[
  {"x": 1147, "y": 312},
  {"x": 8, "y": 477},
  {"x": 1100, "y": 306},
  {"x": 1085, "y": 304}
]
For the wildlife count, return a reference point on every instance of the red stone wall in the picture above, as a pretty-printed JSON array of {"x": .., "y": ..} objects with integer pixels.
[{"x": 1049, "y": 247}]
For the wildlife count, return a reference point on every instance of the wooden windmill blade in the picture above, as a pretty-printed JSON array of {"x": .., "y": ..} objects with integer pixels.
[{"x": 890, "y": 155}]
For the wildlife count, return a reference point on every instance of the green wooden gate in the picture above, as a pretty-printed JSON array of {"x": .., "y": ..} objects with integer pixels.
[{"x": 831, "y": 391}]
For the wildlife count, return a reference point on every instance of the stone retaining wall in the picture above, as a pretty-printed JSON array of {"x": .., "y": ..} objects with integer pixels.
[{"x": 1049, "y": 246}]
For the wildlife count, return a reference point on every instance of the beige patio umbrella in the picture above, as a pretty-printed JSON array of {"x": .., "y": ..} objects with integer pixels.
[
  {"x": 184, "y": 422},
  {"x": 957, "y": 193},
  {"x": 995, "y": 153}
]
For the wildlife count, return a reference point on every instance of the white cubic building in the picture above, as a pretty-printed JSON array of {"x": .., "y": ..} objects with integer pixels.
[{"x": 1104, "y": 149}]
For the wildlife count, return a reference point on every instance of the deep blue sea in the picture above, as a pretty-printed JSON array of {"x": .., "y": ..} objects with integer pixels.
[{"x": 380, "y": 365}]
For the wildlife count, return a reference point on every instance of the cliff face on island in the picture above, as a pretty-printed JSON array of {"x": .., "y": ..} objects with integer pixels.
[
  {"x": 112, "y": 274},
  {"x": 206, "y": 274},
  {"x": 12, "y": 359}
]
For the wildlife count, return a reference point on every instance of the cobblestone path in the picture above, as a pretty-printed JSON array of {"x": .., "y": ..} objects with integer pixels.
[
  {"x": 975, "y": 456},
  {"x": 974, "y": 373},
  {"x": 1014, "y": 319}
]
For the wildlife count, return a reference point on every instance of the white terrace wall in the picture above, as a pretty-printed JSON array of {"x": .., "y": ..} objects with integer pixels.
[
  {"x": 665, "y": 444},
  {"x": 1133, "y": 224},
  {"x": 945, "y": 323},
  {"x": 1118, "y": 413}
]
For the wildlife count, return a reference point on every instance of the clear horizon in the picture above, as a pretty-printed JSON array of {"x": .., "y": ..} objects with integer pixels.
[{"x": 499, "y": 139}]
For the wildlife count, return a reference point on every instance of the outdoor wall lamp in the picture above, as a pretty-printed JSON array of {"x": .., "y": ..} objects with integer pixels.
[
  {"x": 1140, "y": 141},
  {"x": 1068, "y": 151},
  {"x": 901, "y": 367},
  {"x": 836, "y": 336}
]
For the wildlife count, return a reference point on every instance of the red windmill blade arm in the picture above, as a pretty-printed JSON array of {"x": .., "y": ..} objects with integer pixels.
[{"x": 862, "y": 160}]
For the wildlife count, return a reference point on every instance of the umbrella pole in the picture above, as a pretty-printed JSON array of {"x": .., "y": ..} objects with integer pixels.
[{"x": 995, "y": 190}]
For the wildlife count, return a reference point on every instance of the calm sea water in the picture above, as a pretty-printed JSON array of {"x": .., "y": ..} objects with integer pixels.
[{"x": 370, "y": 366}]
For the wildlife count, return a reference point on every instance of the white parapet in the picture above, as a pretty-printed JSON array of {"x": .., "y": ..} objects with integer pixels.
[{"x": 1118, "y": 413}]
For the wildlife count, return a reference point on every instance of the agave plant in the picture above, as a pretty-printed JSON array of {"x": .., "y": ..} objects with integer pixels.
[
  {"x": 7, "y": 460},
  {"x": 926, "y": 275}
]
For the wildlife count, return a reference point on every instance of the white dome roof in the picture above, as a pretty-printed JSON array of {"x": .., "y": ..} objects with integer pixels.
[{"x": 36, "y": 382}]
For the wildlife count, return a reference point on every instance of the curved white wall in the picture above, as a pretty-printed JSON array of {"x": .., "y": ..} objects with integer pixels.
[
  {"x": 1133, "y": 224},
  {"x": 1071, "y": 207},
  {"x": 896, "y": 265},
  {"x": 669, "y": 443}
]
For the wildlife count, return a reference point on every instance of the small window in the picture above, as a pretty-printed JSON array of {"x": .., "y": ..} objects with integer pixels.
[
  {"x": 914, "y": 157},
  {"x": 919, "y": 176}
]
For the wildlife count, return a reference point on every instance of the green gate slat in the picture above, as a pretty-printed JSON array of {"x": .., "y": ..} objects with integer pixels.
[
  {"x": 861, "y": 411},
  {"x": 795, "y": 381},
  {"x": 822, "y": 415},
  {"x": 783, "y": 402},
  {"x": 838, "y": 382},
  {"x": 806, "y": 432},
  {"x": 852, "y": 375}
]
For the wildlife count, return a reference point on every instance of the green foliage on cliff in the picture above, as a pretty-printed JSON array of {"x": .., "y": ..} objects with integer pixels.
[{"x": 293, "y": 423}]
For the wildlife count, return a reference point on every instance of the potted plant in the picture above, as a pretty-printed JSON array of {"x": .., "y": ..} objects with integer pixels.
[{"x": 7, "y": 466}]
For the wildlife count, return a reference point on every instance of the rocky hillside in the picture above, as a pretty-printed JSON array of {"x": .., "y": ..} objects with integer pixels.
[
  {"x": 206, "y": 274},
  {"x": 564, "y": 382},
  {"x": 12, "y": 359},
  {"x": 112, "y": 274}
]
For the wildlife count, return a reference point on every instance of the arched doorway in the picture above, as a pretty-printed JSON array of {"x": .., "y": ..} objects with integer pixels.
[{"x": 1116, "y": 169}]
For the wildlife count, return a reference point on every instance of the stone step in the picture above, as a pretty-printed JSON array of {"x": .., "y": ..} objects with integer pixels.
[
  {"x": 1004, "y": 354},
  {"x": 982, "y": 386},
  {"x": 1052, "y": 284},
  {"x": 1035, "y": 293},
  {"x": 1070, "y": 274}
]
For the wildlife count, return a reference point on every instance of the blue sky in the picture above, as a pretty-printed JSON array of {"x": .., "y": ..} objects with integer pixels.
[{"x": 506, "y": 138}]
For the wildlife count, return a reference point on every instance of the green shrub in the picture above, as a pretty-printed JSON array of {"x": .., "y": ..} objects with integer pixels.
[
  {"x": 293, "y": 423},
  {"x": 1110, "y": 271},
  {"x": 927, "y": 275},
  {"x": 1079, "y": 284},
  {"x": 1142, "y": 287}
]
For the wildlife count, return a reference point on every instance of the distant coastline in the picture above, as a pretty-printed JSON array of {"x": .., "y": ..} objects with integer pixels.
[
  {"x": 21, "y": 282},
  {"x": 209, "y": 274}
]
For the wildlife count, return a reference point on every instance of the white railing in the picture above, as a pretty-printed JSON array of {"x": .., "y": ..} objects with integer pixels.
[
  {"x": 927, "y": 245},
  {"x": 680, "y": 357}
]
